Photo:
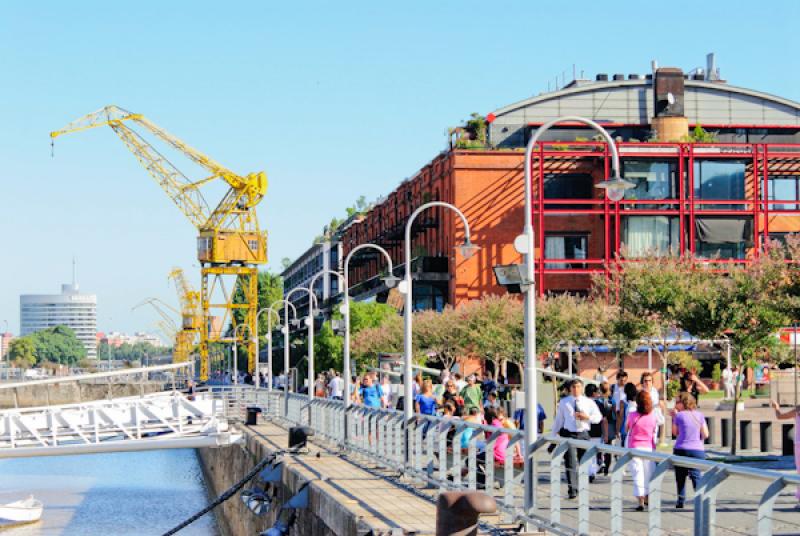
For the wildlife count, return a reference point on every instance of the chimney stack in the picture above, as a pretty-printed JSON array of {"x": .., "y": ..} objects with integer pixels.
[{"x": 669, "y": 122}]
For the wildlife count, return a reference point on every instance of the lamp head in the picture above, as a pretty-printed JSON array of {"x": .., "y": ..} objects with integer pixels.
[
  {"x": 615, "y": 188},
  {"x": 467, "y": 249},
  {"x": 308, "y": 321},
  {"x": 391, "y": 280}
]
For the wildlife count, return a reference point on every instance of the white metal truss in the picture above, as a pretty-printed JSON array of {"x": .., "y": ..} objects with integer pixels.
[{"x": 157, "y": 421}]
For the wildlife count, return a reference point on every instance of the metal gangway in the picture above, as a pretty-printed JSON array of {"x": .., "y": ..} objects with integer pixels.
[{"x": 164, "y": 420}]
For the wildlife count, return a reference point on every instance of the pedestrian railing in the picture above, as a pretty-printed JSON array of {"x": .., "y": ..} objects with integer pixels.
[{"x": 453, "y": 454}]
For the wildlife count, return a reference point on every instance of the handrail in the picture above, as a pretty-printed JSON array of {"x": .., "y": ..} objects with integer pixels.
[{"x": 95, "y": 375}]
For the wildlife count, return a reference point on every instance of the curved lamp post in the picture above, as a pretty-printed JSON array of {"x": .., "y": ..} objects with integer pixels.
[
  {"x": 236, "y": 353},
  {"x": 390, "y": 281},
  {"x": 467, "y": 249},
  {"x": 272, "y": 311},
  {"x": 311, "y": 300},
  {"x": 615, "y": 190},
  {"x": 310, "y": 324}
]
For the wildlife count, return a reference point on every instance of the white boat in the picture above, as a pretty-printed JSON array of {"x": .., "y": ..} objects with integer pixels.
[{"x": 24, "y": 511}]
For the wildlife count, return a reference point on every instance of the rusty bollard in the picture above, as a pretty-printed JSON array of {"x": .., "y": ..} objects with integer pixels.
[{"x": 457, "y": 512}]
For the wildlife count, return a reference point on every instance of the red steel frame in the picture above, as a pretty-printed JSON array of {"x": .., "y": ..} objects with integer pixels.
[{"x": 756, "y": 201}]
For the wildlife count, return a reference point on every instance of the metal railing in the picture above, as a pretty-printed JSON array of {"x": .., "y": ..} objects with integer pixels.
[{"x": 453, "y": 454}]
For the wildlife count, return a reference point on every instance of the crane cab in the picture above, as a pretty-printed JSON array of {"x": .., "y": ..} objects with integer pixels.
[{"x": 232, "y": 247}]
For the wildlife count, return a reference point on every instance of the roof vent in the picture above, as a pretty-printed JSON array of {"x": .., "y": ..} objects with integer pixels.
[
  {"x": 619, "y": 77},
  {"x": 635, "y": 77},
  {"x": 602, "y": 77}
]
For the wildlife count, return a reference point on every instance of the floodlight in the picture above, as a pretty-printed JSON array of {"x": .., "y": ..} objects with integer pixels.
[
  {"x": 511, "y": 276},
  {"x": 257, "y": 501}
]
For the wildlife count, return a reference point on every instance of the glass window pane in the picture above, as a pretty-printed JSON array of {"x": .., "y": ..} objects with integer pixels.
[
  {"x": 719, "y": 180},
  {"x": 783, "y": 189},
  {"x": 723, "y": 237},
  {"x": 565, "y": 247},
  {"x": 650, "y": 235},
  {"x": 568, "y": 186},
  {"x": 653, "y": 179}
]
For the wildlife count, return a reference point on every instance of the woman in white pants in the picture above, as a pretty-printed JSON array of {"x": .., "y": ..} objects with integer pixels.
[{"x": 641, "y": 426}]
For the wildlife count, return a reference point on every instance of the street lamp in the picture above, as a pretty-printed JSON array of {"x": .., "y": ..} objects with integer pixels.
[
  {"x": 615, "y": 190},
  {"x": 310, "y": 324},
  {"x": 272, "y": 310},
  {"x": 390, "y": 281},
  {"x": 467, "y": 250},
  {"x": 311, "y": 299},
  {"x": 236, "y": 353}
]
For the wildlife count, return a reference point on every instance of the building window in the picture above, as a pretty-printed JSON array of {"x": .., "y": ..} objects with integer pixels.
[
  {"x": 785, "y": 188},
  {"x": 650, "y": 235},
  {"x": 654, "y": 179},
  {"x": 723, "y": 237},
  {"x": 572, "y": 246},
  {"x": 719, "y": 180},
  {"x": 568, "y": 186}
]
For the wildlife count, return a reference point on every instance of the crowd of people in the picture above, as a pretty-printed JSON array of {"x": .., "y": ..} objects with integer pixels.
[{"x": 630, "y": 415}]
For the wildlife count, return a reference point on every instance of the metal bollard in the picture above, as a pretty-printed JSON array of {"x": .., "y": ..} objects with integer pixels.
[
  {"x": 787, "y": 439},
  {"x": 712, "y": 430},
  {"x": 765, "y": 433},
  {"x": 457, "y": 512},
  {"x": 726, "y": 432},
  {"x": 746, "y": 435}
]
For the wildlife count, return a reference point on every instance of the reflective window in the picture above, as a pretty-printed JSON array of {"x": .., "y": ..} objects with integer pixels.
[
  {"x": 650, "y": 235},
  {"x": 565, "y": 247},
  {"x": 723, "y": 237},
  {"x": 784, "y": 189},
  {"x": 653, "y": 179},
  {"x": 568, "y": 186},
  {"x": 719, "y": 180}
]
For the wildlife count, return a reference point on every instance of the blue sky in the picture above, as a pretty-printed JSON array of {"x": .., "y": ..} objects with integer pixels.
[{"x": 332, "y": 99}]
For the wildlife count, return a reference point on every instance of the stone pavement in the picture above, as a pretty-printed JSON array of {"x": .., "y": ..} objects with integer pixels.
[{"x": 368, "y": 496}]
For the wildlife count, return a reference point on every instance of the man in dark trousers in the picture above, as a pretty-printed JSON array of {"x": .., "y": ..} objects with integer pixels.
[{"x": 574, "y": 417}]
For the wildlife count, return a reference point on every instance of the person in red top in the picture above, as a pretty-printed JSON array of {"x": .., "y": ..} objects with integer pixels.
[{"x": 642, "y": 425}]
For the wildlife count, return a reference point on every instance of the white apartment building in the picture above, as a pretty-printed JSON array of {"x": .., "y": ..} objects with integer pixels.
[{"x": 70, "y": 308}]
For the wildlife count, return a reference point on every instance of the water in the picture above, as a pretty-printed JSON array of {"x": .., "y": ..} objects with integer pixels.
[{"x": 131, "y": 493}]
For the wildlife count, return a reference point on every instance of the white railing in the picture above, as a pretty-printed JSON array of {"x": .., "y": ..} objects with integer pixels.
[
  {"x": 163, "y": 420},
  {"x": 451, "y": 454}
]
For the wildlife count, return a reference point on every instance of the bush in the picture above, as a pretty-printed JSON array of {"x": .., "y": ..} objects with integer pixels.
[
  {"x": 673, "y": 387},
  {"x": 716, "y": 373}
]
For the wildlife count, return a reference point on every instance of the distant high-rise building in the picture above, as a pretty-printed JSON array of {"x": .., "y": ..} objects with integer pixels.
[{"x": 70, "y": 308}]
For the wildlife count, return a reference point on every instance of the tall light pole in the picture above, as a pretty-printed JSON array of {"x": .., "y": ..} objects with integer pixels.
[
  {"x": 311, "y": 299},
  {"x": 615, "y": 190},
  {"x": 467, "y": 250},
  {"x": 236, "y": 353},
  {"x": 271, "y": 310},
  {"x": 391, "y": 281},
  {"x": 310, "y": 324}
]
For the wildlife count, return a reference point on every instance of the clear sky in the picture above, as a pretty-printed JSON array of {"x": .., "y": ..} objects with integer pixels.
[{"x": 332, "y": 99}]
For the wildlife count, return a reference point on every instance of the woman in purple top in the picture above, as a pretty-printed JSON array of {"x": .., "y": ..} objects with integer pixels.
[{"x": 689, "y": 425}]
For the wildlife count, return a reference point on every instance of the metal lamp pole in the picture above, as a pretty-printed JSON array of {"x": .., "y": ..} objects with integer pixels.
[
  {"x": 467, "y": 250},
  {"x": 615, "y": 190},
  {"x": 311, "y": 299},
  {"x": 390, "y": 280},
  {"x": 272, "y": 310},
  {"x": 236, "y": 353},
  {"x": 310, "y": 324}
]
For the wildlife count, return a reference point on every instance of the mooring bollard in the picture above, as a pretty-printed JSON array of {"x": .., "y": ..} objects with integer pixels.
[
  {"x": 746, "y": 435},
  {"x": 726, "y": 431},
  {"x": 457, "y": 512},
  {"x": 711, "y": 422},
  {"x": 765, "y": 433},
  {"x": 787, "y": 439}
]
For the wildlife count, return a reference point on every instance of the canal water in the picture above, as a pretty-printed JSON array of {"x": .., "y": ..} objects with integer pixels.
[{"x": 131, "y": 493}]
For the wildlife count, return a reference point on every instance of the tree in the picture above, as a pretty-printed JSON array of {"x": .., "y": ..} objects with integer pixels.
[
  {"x": 270, "y": 290},
  {"x": 385, "y": 338},
  {"x": 22, "y": 352},
  {"x": 286, "y": 262},
  {"x": 494, "y": 329},
  {"x": 57, "y": 345},
  {"x": 442, "y": 336}
]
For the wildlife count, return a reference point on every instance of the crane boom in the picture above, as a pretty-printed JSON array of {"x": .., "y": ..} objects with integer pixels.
[{"x": 229, "y": 242}]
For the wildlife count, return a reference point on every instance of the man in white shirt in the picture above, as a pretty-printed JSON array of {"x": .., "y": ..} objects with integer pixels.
[
  {"x": 574, "y": 416},
  {"x": 728, "y": 383},
  {"x": 336, "y": 387}
]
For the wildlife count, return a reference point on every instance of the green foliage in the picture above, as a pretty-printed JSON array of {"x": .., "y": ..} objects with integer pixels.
[
  {"x": 22, "y": 352},
  {"x": 701, "y": 135},
  {"x": 139, "y": 351},
  {"x": 270, "y": 290},
  {"x": 716, "y": 373},
  {"x": 673, "y": 387},
  {"x": 473, "y": 135},
  {"x": 57, "y": 345},
  {"x": 328, "y": 349}
]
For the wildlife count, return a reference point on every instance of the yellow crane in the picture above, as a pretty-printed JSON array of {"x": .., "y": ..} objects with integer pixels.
[
  {"x": 191, "y": 313},
  {"x": 229, "y": 244}
]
